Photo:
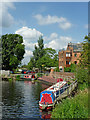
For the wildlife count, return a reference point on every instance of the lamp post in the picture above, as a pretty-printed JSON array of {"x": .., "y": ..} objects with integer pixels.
[{"x": 41, "y": 69}]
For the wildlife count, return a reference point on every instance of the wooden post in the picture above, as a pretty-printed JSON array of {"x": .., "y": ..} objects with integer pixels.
[
  {"x": 67, "y": 91},
  {"x": 59, "y": 88}
]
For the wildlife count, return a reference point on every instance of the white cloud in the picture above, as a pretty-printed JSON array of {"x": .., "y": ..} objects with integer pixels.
[
  {"x": 29, "y": 34},
  {"x": 28, "y": 53},
  {"x": 52, "y": 36},
  {"x": 30, "y": 37},
  {"x": 52, "y": 44},
  {"x": 46, "y": 20},
  {"x": 6, "y": 19},
  {"x": 58, "y": 43},
  {"x": 65, "y": 26}
]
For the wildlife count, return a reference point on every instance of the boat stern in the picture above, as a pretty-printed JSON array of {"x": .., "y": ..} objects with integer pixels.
[{"x": 46, "y": 100}]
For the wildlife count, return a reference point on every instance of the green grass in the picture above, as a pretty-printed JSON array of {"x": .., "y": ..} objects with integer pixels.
[
  {"x": 75, "y": 107},
  {"x": 82, "y": 86}
]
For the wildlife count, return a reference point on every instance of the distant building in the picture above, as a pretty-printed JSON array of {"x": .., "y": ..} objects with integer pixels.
[{"x": 70, "y": 55}]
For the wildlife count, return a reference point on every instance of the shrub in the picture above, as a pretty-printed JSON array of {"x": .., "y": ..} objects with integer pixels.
[
  {"x": 18, "y": 77},
  {"x": 82, "y": 75},
  {"x": 67, "y": 69},
  {"x": 76, "y": 107},
  {"x": 72, "y": 68}
]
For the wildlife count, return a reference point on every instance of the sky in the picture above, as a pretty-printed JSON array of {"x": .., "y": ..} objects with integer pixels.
[{"x": 58, "y": 22}]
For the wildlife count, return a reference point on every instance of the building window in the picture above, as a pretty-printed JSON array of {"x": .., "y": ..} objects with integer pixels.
[
  {"x": 67, "y": 62},
  {"x": 67, "y": 54},
  {"x": 75, "y": 55},
  {"x": 75, "y": 62}
]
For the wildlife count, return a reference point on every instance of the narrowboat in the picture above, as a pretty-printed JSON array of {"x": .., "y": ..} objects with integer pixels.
[
  {"x": 49, "y": 96},
  {"x": 28, "y": 77}
]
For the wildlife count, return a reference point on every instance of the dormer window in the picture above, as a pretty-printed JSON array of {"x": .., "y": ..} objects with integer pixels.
[{"x": 67, "y": 54}]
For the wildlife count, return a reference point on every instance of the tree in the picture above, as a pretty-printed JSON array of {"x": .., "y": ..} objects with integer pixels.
[
  {"x": 39, "y": 51},
  {"x": 82, "y": 71},
  {"x": 51, "y": 52},
  {"x": 72, "y": 68},
  {"x": 43, "y": 56},
  {"x": 85, "y": 53},
  {"x": 49, "y": 59},
  {"x": 31, "y": 64},
  {"x": 13, "y": 50}
]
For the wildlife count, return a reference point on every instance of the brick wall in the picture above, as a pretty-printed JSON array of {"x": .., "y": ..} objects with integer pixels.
[{"x": 75, "y": 58}]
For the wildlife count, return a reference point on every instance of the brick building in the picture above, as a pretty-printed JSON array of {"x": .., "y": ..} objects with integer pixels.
[{"x": 70, "y": 55}]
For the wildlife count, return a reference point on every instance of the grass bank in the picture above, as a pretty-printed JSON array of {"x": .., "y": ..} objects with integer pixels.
[{"x": 75, "y": 107}]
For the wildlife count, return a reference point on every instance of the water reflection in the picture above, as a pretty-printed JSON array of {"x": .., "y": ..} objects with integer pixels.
[
  {"x": 45, "y": 114},
  {"x": 21, "y": 98}
]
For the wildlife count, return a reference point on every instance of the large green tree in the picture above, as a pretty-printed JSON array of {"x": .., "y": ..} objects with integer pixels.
[
  {"x": 48, "y": 58},
  {"x": 13, "y": 50}
]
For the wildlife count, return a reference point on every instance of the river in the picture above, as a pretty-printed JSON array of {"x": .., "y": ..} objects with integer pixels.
[{"x": 21, "y": 99}]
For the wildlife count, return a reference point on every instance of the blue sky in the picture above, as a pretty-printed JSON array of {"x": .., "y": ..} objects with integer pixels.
[{"x": 58, "y": 22}]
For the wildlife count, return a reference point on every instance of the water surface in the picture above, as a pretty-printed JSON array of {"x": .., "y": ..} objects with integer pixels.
[{"x": 20, "y": 99}]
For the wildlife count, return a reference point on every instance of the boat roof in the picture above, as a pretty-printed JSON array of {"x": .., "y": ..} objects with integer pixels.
[{"x": 56, "y": 86}]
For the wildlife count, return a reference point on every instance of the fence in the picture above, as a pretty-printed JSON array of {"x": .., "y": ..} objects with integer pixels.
[{"x": 68, "y": 90}]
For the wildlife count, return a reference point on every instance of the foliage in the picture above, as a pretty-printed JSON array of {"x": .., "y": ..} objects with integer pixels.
[
  {"x": 67, "y": 69},
  {"x": 82, "y": 75},
  {"x": 76, "y": 107},
  {"x": 12, "y": 51},
  {"x": 43, "y": 57},
  {"x": 46, "y": 61},
  {"x": 72, "y": 68},
  {"x": 82, "y": 86},
  {"x": 84, "y": 61},
  {"x": 39, "y": 74},
  {"x": 18, "y": 77},
  {"x": 82, "y": 71},
  {"x": 50, "y": 52},
  {"x": 39, "y": 51},
  {"x": 31, "y": 64},
  {"x": 57, "y": 69},
  {"x": 37, "y": 54}
]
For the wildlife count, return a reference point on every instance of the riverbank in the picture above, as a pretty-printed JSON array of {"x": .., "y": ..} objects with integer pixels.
[{"x": 74, "y": 107}]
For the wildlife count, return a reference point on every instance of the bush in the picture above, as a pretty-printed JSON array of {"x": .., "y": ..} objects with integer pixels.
[
  {"x": 82, "y": 86},
  {"x": 82, "y": 75},
  {"x": 18, "y": 77},
  {"x": 57, "y": 69},
  {"x": 76, "y": 107},
  {"x": 72, "y": 68},
  {"x": 40, "y": 74},
  {"x": 67, "y": 69}
]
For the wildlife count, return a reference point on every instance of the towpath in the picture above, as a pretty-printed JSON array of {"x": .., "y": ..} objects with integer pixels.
[{"x": 48, "y": 79}]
